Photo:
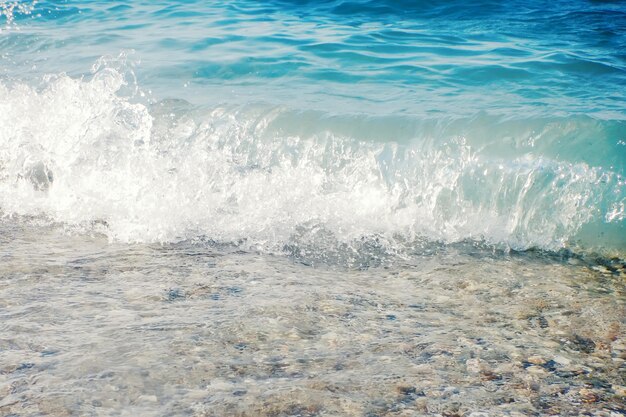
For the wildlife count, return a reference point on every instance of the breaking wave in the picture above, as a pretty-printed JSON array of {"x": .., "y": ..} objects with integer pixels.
[{"x": 86, "y": 153}]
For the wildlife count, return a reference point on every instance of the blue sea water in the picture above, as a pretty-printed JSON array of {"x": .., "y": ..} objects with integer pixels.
[
  {"x": 312, "y": 208},
  {"x": 316, "y": 126}
]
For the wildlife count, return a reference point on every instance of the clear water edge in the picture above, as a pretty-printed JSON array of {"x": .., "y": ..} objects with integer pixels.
[{"x": 94, "y": 328}]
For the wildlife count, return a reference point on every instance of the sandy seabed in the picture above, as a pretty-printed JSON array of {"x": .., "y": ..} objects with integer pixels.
[{"x": 92, "y": 328}]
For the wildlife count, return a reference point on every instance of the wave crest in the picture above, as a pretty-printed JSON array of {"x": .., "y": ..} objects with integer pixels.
[{"x": 80, "y": 152}]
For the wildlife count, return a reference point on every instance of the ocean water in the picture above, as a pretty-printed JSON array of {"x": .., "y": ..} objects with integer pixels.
[{"x": 312, "y": 207}]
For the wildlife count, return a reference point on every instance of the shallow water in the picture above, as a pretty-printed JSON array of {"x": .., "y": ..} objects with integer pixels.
[
  {"x": 297, "y": 208},
  {"x": 93, "y": 328}
]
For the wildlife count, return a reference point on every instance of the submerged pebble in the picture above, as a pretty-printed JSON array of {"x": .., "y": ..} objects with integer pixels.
[{"x": 143, "y": 332}]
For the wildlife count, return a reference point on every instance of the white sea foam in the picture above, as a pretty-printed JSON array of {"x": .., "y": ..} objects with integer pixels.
[{"x": 77, "y": 151}]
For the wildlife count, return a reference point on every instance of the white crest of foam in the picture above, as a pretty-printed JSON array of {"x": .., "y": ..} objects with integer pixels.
[{"x": 79, "y": 152}]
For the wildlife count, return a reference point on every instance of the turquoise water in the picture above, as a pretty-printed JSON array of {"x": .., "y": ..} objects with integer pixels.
[
  {"x": 319, "y": 126},
  {"x": 312, "y": 208}
]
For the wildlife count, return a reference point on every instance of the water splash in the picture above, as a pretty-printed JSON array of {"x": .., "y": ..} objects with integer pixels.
[
  {"x": 9, "y": 10},
  {"x": 270, "y": 178}
]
